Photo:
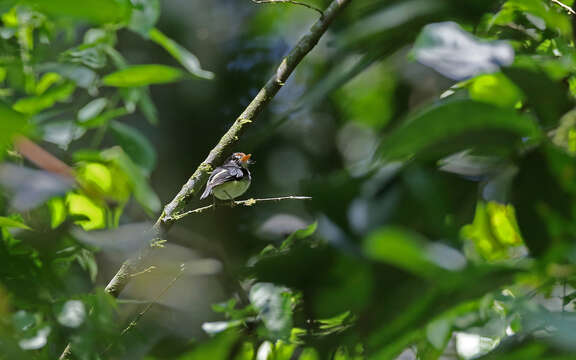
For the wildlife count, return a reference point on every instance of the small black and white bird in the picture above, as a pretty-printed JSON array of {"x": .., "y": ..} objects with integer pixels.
[{"x": 230, "y": 180}]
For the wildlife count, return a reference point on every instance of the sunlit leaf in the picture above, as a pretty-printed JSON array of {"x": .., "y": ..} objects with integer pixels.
[
  {"x": 35, "y": 104},
  {"x": 495, "y": 89},
  {"x": 494, "y": 231},
  {"x": 105, "y": 182},
  {"x": 142, "y": 75},
  {"x": 458, "y": 55},
  {"x": 46, "y": 82},
  {"x": 142, "y": 190},
  {"x": 188, "y": 60},
  {"x": 57, "y": 211},
  {"x": 97, "y": 174},
  {"x": 12, "y": 223},
  {"x": 93, "y": 215}
]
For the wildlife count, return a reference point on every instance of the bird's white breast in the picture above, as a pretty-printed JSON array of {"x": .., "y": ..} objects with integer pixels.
[{"x": 231, "y": 189}]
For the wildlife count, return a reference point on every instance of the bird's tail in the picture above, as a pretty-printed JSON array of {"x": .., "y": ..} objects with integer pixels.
[{"x": 206, "y": 192}]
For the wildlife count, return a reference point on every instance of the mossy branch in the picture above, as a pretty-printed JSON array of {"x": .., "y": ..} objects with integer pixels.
[{"x": 173, "y": 210}]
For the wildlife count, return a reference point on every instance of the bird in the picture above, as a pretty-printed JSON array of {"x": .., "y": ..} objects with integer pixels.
[{"x": 231, "y": 179}]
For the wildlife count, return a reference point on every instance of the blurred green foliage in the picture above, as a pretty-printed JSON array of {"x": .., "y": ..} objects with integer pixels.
[{"x": 437, "y": 139}]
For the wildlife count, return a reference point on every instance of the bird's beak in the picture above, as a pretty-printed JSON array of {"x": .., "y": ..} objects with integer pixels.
[{"x": 246, "y": 159}]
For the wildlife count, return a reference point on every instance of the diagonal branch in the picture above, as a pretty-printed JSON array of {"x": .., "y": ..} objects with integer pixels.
[
  {"x": 226, "y": 143},
  {"x": 194, "y": 184},
  {"x": 148, "y": 306}
]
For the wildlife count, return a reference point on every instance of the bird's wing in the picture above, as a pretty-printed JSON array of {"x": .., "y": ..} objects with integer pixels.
[{"x": 220, "y": 175}]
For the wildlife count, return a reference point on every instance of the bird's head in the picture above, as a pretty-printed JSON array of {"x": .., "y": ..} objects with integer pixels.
[{"x": 241, "y": 159}]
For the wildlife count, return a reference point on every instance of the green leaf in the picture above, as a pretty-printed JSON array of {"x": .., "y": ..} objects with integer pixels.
[
  {"x": 142, "y": 190},
  {"x": 554, "y": 20},
  {"x": 11, "y": 123},
  {"x": 543, "y": 196},
  {"x": 547, "y": 97},
  {"x": 299, "y": 234},
  {"x": 87, "y": 261},
  {"x": 145, "y": 14},
  {"x": 83, "y": 76},
  {"x": 142, "y": 75},
  {"x": 494, "y": 230},
  {"x": 274, "y": 304},
  {"x": 135, "y": 145},
  {"x": 47, "y": 81},
  {"x": 95, "y": 11},
  {"x": 401, "y": 248},
  {"x": 58, "y": 212},
  {"x": 219, "y": 347},
  {"x": 90, "y": 55},
  {"x": 456, "y": 126},
  {"x": 35, "y": 104},
  {"x": 495, "y": 89},
  {"x": 92, "y": 109},
  {"x": 91, "y": 215},
  {"x": 103, "y": 118},
  {"x": 438, "y": 332},
  {"x": 188, "y": 60},
  {"x": 11, "y": 223},
  {"x": 148, "y": 108}
]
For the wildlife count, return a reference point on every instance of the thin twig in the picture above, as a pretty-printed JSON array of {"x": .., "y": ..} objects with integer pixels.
[
  {"x": 248, "y": 202},
  {"x": 289, "y": 2},
  {"x": 149, "y": 305},
  {"x": 566, "y": 7},
  {"x": 156, "y": 299}
]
